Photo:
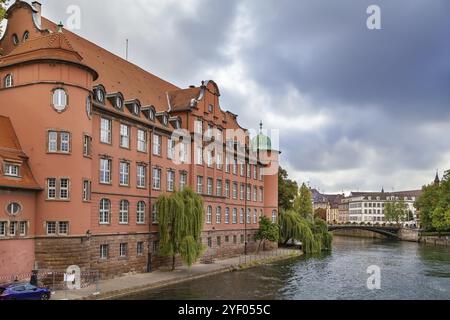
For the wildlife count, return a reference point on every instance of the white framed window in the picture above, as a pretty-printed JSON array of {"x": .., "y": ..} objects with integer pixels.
[
  {"x": 13, "y": 208},
  {"x": 59, "y": 99},
  {"x": 52, "y": 141},
  {"x": 105, "y": 171},
  {"x": 249, "y": 193},
  {"x": 234, "y": 216},
  {"x": 227, "y": 164},
  {"x": 142, "y": 140},
  {"x": 105, "y": 130},
  {"x": 140, "y": 248},
  {"x": 249, "y": 171},
  {"x": 219, "y": 188},
  {"x": 123, "y": 250},
  {"x": 242, "y": 170},
  {"x": 105, "y": 211},
  {"x": 140, "y": 212},
  {"x": 154, "y": 214},
  {"x": 104, "y": 251},
  {"x": 100, "y": 95},
  {"x": 219, "y": 161},
  {"x": 249, "y": 216},
  {"x": 255, "y": 217},
  {"x": 218, "y": 215},
  {"x": 12, "y": 228},
  {"x": 255, "y": 194},
  {"x": 8, "y": 81},
  {"x": 219, "y": 135},
  {"x": 124, "y": 136},
  {"x": 241, "y": 216},
  {"x": 209, "y": 215},
  {"x": 261, "y": 195},
  {"x": 235, "y": 165},
  {"x": 170, "y": 180},
  {"x": 227, "y": 215},
  {"x": 183, "y": 152},
  {"x": 11, "y": 170},
  {"x": 124, "y": 176},
  {"x": 51, "y": 188},
  {"x": 65, "y": 142},
  {"x": 210, "y": 108},
  {"x": 141, "y": 176},
  {"x": 87, "y": 146},
  {"x": 274, "y": 216},
  {"x": 63, "y": 228},
  {"x": 156, "y": 178},
  {"x": 209, "y": 159},
  {"x": 227, "y": 188},
  {"x": 242, "y": 192},
  {"x": 3, "y": 226},
  {"x": 235, "y": 190},
  {"x": 183, "y": 180},
  {"x": 157, "y": 140},
  {"x": 209, "y": 189},
  {"x": 87, "y": 185},
  {"x": 119, "y": 103},
  {"x": 64, "y": 187},
  {"x": 255, "y": 172},
  {"x": 170, "y": 148},
  {"x": 51, "y": 228},
  {"x": 198, "y": 126},
  {"x": 199, "y": 158},
  {"x": 199, "y": 184},
  {"x": 124, "y": 211}
]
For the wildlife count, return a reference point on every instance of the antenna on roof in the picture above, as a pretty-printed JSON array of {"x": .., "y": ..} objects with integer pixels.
[{"x": 126, "y": 54}]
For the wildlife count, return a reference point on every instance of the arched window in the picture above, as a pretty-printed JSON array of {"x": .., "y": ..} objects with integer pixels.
[
  {"x": 255, "y": 216},
  {"x": 218, "y": 215},
  {"x": 124, "y": 212},
  {"x": 274, "y": 216},
  {"x": 249, "y": 216},
  {"x": 8, "y": 82},
  {"x": 227, "y": 215},
  {"x": 105, "y": 211},
  {"x": 100, "y": 95},
  {"x": 234, "y": 215},
  {"x": 209, "y": 215},
  {"x": 13, "y": 208},
  {"x": 119, "y": 103},
  {"x": 25, "y": 37},
  {"x": 241, "y": 217},
  {"x": 154, "y": 214},
  {"x": 59, "y": 99},
  {"x": 140, "y": 212}
]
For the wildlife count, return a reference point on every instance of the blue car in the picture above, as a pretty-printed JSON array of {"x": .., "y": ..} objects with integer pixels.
[{"x": 23, "y": 291}]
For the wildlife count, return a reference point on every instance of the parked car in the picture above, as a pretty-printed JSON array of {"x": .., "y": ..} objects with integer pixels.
[{"x": 23, "y": 291}]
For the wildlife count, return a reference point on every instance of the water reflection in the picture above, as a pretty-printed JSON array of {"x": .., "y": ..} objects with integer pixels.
[{"x": 408, "y": 271}]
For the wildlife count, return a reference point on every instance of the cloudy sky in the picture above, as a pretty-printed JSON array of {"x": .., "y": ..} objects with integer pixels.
[{"x": 357, "y": 109}]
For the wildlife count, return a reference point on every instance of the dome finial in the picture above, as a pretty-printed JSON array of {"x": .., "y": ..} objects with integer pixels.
[{"x": 60, "y": 27}]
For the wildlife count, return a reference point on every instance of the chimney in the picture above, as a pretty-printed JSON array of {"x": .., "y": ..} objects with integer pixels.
[{"x": 38, "y": 7}]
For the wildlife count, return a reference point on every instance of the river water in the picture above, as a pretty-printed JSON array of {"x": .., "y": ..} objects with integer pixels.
[{"x": 407, "y": 271}]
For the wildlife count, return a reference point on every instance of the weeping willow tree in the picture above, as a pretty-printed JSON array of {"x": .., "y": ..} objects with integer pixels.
[
  {"x": 181, "y": 218},
  {"x": 314, "y": 236}
]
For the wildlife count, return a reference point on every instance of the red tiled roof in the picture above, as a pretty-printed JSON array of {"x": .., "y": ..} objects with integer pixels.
[
  {"x": 182, "y": 99},
  {"x": 117, "y": 74},
  {"x": 10, "y": 150}
]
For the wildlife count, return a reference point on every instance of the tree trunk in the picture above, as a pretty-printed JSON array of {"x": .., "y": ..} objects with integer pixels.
[
  {"x": 259, "y": 246},
  {"x": 173, "y": 262}
]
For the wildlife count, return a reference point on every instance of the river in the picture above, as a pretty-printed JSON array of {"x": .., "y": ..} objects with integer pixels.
[{"x": 408, "y": 271}]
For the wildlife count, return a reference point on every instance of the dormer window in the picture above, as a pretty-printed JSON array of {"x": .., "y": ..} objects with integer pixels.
[
  {"x": 25, "y": 37},
  {"x": 151, "y": 115},
  {"x": 136, "y": 109},
  {"x": 15, "y": 39},
  {"x": 165, "y": 120},
  {"x": 11, "y": 170},
  {"x": 100, "y": 95},
  {"x": 119, "y": 103},
  {"x": 8, "y": 82},
  {"x": 210, "y": 108}
]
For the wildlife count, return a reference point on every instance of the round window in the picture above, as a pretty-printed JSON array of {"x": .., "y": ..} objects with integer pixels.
[
  {"x": 26, "y": 35},
  {"x": 119, "y": 103},
  {"x": 13, "y": 208}
]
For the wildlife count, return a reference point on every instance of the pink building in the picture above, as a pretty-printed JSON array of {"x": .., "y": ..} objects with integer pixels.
[{"x": 87, "y": 145}]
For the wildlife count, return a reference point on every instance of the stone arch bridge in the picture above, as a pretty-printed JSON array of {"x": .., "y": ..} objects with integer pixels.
[{"x": 390, "y": 232}]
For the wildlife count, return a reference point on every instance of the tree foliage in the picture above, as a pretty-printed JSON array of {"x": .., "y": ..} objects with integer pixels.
[
  {"x": 181, "y": 218},
  {"x": 314, "y": 236},
  {"x": 268, "y": 231},
  {"x": 434, "y": 205},
  {"x": 287, "y": 190},
  {"x": 303, "y": 203},
  {"x": 396, "y": 211}
]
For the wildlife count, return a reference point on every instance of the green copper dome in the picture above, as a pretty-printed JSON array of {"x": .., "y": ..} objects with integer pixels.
[{"x": 261, "y": 142}]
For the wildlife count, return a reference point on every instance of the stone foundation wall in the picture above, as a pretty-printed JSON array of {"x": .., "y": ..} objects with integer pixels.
[
  {"x": 436, "y": 240},
  {"x": 358, "y": 234}
]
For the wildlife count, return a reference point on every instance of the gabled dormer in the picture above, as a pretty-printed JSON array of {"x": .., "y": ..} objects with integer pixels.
[
  {"x": 116, "y": 99},
  {"x": 175, "y": 122},
  {"x": 163, "y": 118},
  {"x": 149, "y": 113},
  {"x": 134, "y": 106}
]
